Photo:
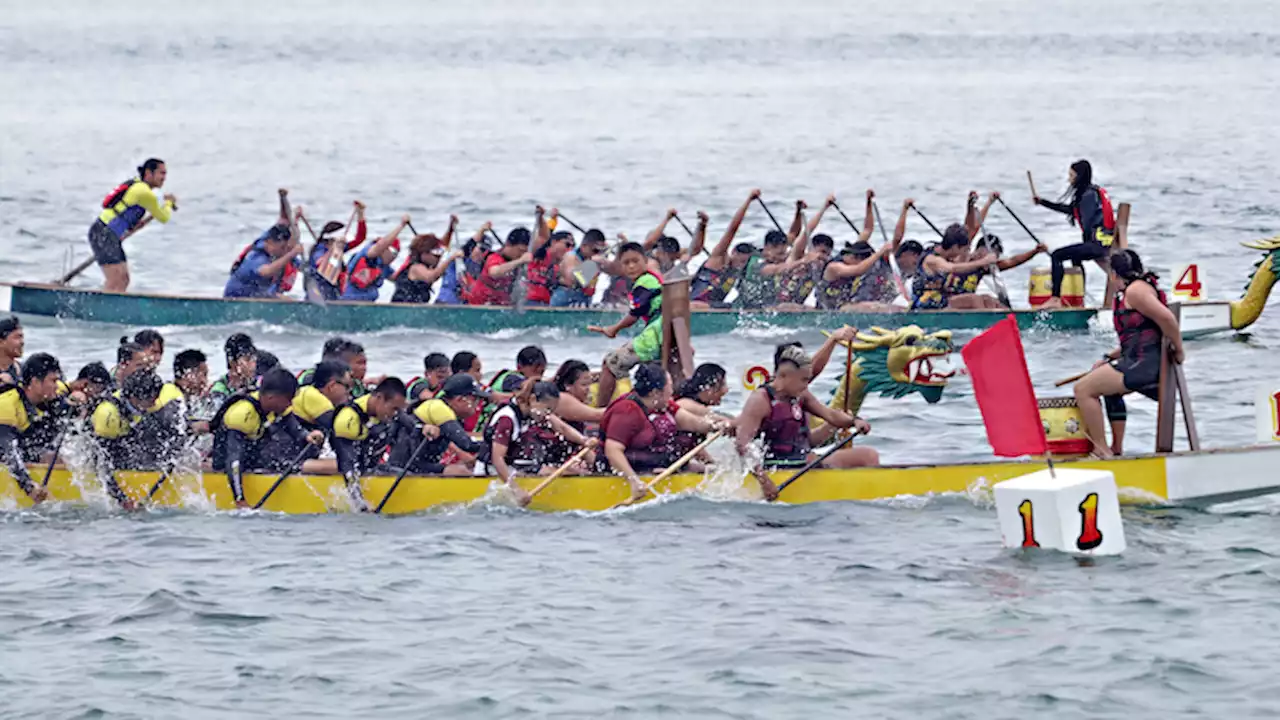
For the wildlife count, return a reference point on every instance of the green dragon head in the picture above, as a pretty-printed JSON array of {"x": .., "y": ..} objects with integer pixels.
[{"x": 895, "y": 363}]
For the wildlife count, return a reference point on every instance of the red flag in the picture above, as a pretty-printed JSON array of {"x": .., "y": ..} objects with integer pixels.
[{"x": 1003, "y": 389}]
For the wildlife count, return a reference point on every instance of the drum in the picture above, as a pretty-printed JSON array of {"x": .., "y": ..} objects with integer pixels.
[
  {"x": 622, "y": 387},
  {"x": 1041, "y": 288},
  {"x": 1064, "y": 426}
]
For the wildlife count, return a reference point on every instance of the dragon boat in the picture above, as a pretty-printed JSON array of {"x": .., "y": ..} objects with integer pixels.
[
  {"x": 66, "y": 303},
  {"x": 888, "y": 363}
]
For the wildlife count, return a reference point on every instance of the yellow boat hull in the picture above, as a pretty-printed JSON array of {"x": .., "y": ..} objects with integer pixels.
[{"x": 1179, "y": 477}]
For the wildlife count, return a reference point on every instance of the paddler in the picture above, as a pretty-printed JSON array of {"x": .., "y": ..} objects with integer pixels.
[
  {"x": 92, "y": 383},
  {"x": 1142, "y": 321},
  {"x": 435, "y": 370},
  {"x": 524, "y": 433},
  {"x": 842, "y": 278},
  {"x": 133, "y": 432},
  {"x": 124, "y": 211},
  {"x": 13, "y": 341},
  {"x": 130, "y": 359},
  {"x": 779, "y": 411},
  {"x": 501, "y": 269},
  {"x": 19, "y": 414},
  {"x": 460, "y": 397},
  {"x": 455, "y": 289},
  {"x": 242, "y": 369},
  {"x": 665, "y": 251},
  {"x": 640, "y": 429},
  {"x": 962, "y": 289},
  {"x": 246, "y": 425},
  {"x": 575, "y": 288},
  {"x": 950, "y": 257},
  {"x": 261, "y": 270},
  {"x": 371, "y": 266},
  {"x": 574, "y": 380},
  {"x": 646, "y": 308},
  {"x": 719, "y": 274},
  {"x": 191, "y": 386},
  {"x": 347, "y": 352},
  {"x": 326, "y": 268},
  {"x": 364, "y": 431},
  {"x": 1089, "y": 208},
  {"x": 424, "y": 266},
  {"x": 700, "y": 395},
  {"x": 549, "y": 248}
]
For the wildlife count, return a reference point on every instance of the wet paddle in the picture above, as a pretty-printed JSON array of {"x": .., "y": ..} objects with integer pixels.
[
  {"x": 85, "y": 265},
  {"x": 405, "y": 471},
  {"x": 159, "y": 481},
  {"x": 48, "y": 471},
  {"x": 816, "y": 462},
  {"x": 675, "y": 467},
  {"x": 686, "y": 227},
  {"x": 293, "y": 467},
  {"x": 575, "y": 225},
  {"x": 560, "y": 471},
  {"x": 769, "y": 212},
  {"x": 1032, "y": 183}
]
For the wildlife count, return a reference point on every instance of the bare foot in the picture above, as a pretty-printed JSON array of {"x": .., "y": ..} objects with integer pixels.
[{"x": 1052, "y": 303}]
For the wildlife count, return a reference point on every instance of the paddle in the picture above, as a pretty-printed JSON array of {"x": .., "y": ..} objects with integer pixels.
[
  {"x": 416, "y": 452},
  {"x": 560, "y": 471},
  {"x": 1073, "y": 378},
  {"x": 675, "y": 467},
  {"x": 291, "y": 469},
  {"x": 1014, "y": 215},
  {"x": 927, "y": 221},
  {"x": 1032, "y": 183},
  {"x": 85, "y": 265},
  {"x": 686, "y": 227},
  {"x": 769, "y": 213},
  {"x": 816, "y": 462},
  {"x": 575, "y": 225},
  {"x": 160, "y": 481},
  {"x": 893, "y": 261},
  {"x": 48, "y": 471}
]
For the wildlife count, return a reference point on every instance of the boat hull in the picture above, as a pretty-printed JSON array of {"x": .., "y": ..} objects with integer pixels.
[
  {"x": 1199, "y": 478},
  {"x": 142, "y": 309}
]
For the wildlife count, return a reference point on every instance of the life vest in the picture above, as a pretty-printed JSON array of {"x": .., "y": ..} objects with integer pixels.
[
  {"x": 756, "y": 290},
  {"x": 328, "y": 268},
  {"x": 365, "y": 273},
  {"x": 834, "y": 294},
  {"x": 412, "y": 389},
  {"x": 1108, "y": 215},
  {"x": 409, "y": 290},
  {"x": 659, "y": 452},
  {"x": 488, "y": 290},
  {"x": 785, "y": 430},
  {"x": 541, "y": 278},
  {"x": 654, "y": 308},
  {"x": 930, "y": 288},
  {"x": 286, "y": 278},
  {"x": 115, "y": 197},
  {"x": 714, "y": 285},
  {"x": 219, "y": 456},
  {"x": 799, "y": 283},
  {"x": 877, "y": 284},
  {"x": 1138, "y": 333}
]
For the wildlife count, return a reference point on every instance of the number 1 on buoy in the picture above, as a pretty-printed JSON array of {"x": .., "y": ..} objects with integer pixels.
[
  {"x": 1275, "y": 416},
  {"x": 1189, "y": 286}
]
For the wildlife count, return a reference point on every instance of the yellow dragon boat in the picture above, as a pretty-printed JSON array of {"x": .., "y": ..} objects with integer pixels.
[{"x": 1187, "y": 478}]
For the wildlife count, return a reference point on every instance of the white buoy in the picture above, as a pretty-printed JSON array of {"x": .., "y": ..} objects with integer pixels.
[
  {"x": 1074, "y": 511},
  {"x": 1267, "y": 408}
]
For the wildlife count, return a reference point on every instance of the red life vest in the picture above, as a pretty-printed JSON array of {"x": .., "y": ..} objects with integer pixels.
[
  {"x": 1108, "y": 214},
  {"x": 363, "y": 274},
  {"x": 115, "y": 196}
]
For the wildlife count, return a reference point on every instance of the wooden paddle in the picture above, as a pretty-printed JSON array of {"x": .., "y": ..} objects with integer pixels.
[
  {"x": 686, "y": 227},
  {"x": 561, "y": 470},
  {"x": 48, "y": 471},
  {"x": 769, "y": 212},
  {"x": 1032, "y": 183},
  {"x": 293, "y": 467},
  {"x": 675, "y": 467},
  {"x": 1014, "y": 215},
  {"x": 1073, "y": 378},
  {"x": 405, "y": 471},
  {"x": 85, "y": 265},
  {"x": 816, "y": 462}
]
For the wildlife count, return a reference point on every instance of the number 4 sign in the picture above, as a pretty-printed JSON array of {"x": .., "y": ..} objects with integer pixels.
[{"x": 1189, "y": 286}]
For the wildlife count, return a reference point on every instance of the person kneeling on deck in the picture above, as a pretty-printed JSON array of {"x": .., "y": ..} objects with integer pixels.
[
  {"x": 135, "y": 433},
  {"x": 641, "y": 429},
  {"x": 19, "y": 412},
  {"x": 246, "y": 425},
  {"x": 512, "y": 442},
  {"x": 461, "y": 396},
  {"x": 646, "y": 308},
  {"x": 1142, "y": 321},
  {"x": 779, "y": 413}
]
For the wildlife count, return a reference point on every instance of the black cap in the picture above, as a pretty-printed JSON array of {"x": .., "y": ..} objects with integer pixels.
[
  {"x": 8, "y": 325},
  {"x": 463, "y": 385},
  {"x": 278, "y": 232},
  {"x": 745, "y": 248}
]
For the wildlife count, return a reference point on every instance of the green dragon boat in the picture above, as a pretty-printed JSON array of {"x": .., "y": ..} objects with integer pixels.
[{"x": 135, "y": 309}]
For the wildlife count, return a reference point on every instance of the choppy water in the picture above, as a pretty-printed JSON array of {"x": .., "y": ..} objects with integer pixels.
[{"x": 614, "y": 111}]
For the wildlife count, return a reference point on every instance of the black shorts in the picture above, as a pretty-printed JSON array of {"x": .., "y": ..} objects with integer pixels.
[
  {"x": 1141, "y": 375},
  {"x": 105, "y": 244}
]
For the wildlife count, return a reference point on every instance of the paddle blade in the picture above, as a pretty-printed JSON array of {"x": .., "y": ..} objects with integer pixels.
[{"x": 1002, "y": 387}]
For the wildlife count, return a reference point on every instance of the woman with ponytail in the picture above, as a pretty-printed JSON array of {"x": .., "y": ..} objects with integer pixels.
[
  {"x": 1142, "y": 321},
  {"x": 511, "y": 443},
  {"x": 1089, "y": 207}
]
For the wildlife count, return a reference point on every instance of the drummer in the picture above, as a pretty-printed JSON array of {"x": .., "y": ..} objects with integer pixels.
[{"x": 1142, "y": 321}]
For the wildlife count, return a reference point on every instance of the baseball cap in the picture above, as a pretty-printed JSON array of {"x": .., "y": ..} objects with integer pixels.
[
  {"x": 463, "y": 385},
  {"x": 95, "y": 372}
]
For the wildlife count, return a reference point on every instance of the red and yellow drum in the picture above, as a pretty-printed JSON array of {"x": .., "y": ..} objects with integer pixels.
[
  {"x": 1042, "y": 287},
  {"x": 1064, "y": 426}
]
